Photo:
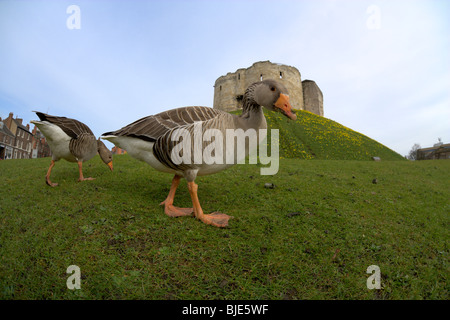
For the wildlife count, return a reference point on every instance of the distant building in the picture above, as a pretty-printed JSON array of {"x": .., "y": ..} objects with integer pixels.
[
  {"x": 303, "y": 95},
  {"x": 39, "y": 148},
  {"x": 6, "y": 142},
  {"x": 438, "y": 151},
  {"x": 21, "y": 146},
  {"x": 17, "y": 142},
  {"x": 117, "y": 150}
]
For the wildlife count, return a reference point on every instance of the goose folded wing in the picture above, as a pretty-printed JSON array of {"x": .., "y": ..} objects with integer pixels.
[
  {"x": 73, "y": 128},
  {"x": 152, "y": 127}
]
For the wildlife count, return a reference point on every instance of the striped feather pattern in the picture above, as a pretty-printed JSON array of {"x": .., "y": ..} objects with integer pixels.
[
  {"x": 162, "y": 149},
  {"x": 73, "y": 128},
  {"x": 84, "y": 146},
  {"x": 152, "y": 127}
]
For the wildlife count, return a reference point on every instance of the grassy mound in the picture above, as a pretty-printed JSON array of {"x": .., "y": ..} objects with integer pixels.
[{"x": 315, "y": 137}]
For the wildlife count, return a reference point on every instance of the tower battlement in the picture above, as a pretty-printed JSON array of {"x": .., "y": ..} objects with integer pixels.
[{"x": 230, "y": 88}]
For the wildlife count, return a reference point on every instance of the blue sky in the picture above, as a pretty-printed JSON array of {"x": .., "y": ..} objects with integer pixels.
[{"x": 383, "y": 66}]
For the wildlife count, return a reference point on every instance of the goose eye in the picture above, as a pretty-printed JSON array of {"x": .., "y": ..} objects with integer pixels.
[{"x": 272, "y": 89}]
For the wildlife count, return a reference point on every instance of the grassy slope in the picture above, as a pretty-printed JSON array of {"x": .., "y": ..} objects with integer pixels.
[
  {"x": 315, "y": 137},
  {"x": 311, "y": 237}
]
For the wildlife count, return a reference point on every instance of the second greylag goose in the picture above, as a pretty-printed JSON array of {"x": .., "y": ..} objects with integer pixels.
[
  {"x": 71, "y": 140},
  {"x": 151, "y": 139}
]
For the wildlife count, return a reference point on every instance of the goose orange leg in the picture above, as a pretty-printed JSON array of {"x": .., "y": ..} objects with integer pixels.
[
  {"x": 216, "y": 219},
  {"x": 80, "y": 169},
  {"x": 169, "y": 208},
  {"x": 47, "y": 177}
]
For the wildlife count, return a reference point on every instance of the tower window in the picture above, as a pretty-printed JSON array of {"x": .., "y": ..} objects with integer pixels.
[
  {"x": 281, "y": 75},
  {"x": 239, "y": 76},
  {"x": 260, "y": 77}
]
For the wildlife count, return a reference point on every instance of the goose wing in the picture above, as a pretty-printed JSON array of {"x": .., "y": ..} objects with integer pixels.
[
  {"x": 152, "y": 127},
  {"x": 73, "y": 128}
]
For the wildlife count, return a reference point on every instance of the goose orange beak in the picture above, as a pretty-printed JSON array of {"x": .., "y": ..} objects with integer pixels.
[
  {"x": 285, "y": 107},
  {"x": 110, "y": 165}
]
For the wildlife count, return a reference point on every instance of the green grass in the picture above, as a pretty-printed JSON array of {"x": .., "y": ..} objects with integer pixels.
[
  {"x": 315, "y": 137},
  {"x": 311, "y": 237}
]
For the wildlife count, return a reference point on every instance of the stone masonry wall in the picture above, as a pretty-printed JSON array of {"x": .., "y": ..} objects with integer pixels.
[
  {"x": 229, "y": 89},
  {"x": 312, "y": 97}
]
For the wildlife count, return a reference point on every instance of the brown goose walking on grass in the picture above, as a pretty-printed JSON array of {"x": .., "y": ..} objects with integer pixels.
[
  {"x": 151, "y": 139},
  {"x": 71, "y": 140}
]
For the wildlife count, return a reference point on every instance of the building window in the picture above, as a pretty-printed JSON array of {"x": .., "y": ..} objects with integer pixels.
[
  {"x": 260, "y": 77},
  {"x": 281, "y": 75},
  {"x": 239, "y": 76}
]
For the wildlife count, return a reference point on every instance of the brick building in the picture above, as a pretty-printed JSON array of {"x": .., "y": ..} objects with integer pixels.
[
  {"x": 6, "y": 142},
  {"x": 17, "y": 142},
  {"x": 39, "y": 148},
  {"x": 117, "y": 150},
  {"x": 21, "y": 146}
]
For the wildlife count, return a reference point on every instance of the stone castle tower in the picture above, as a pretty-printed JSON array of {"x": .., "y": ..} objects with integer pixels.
[{"x": 229, "y": 89}]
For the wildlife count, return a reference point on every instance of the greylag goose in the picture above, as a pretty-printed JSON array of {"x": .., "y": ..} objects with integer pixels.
[
  {"x": 151, "y": 139},
  {"x": 71, "y": 140}
]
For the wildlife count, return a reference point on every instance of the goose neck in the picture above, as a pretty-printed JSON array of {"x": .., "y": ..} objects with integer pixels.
[{"x": 253, "y": 117}]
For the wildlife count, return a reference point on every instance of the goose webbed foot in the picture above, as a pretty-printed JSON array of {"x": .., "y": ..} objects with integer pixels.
[
  {"x": 51, "y": 184},
  {"x": 84, "y": 179},
  {"x": 174, "y": 212},
  {"x": 80, "y": 170},
  {"x": 216, "y": 219},
  {"x": 169, "y": 208}
]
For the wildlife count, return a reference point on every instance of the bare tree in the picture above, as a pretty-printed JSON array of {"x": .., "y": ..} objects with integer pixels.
[{"x": 413, "y": 152}]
